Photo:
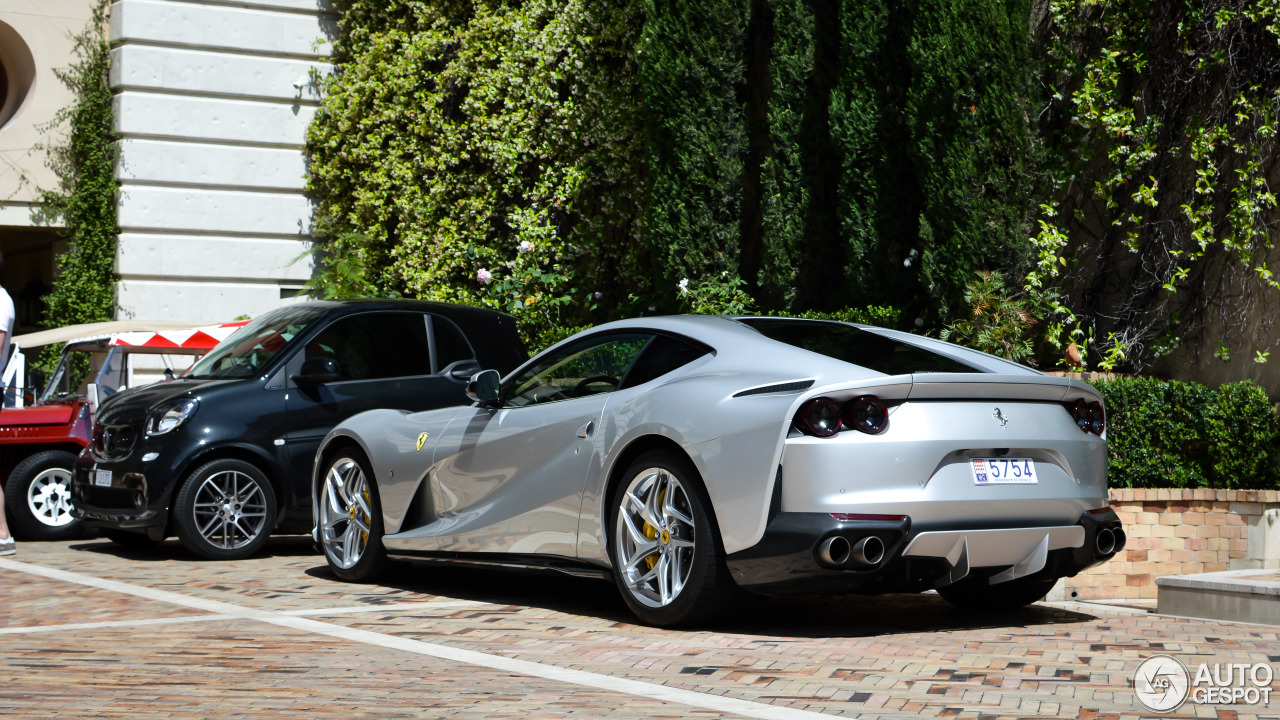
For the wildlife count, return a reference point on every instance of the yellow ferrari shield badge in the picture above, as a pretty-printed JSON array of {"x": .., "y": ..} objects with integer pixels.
[{"x": 422, "y": 439}]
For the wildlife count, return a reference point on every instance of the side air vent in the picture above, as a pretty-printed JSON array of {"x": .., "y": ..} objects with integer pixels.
[
  {"x": 775, "y": 502},
  {"x": 795, "y": 386}
]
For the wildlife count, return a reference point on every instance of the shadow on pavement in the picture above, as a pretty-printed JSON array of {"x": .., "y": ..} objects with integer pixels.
[
  {"x": 172, "y": 549},
  {"x": 800, "y": 617}
]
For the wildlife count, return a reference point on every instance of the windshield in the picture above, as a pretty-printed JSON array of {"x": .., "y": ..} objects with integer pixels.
[
  {"x": 72, "y": 374},
  {"x": 856, "y": 346},
  {"x": 253, "y": 346}
]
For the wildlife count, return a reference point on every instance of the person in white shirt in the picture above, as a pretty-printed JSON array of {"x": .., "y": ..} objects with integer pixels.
[{"x": 7, "y": 545}]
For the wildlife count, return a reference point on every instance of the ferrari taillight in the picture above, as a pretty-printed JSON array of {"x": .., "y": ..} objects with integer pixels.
[
  {"x": 819, "y": 417},
  {"x": 1089, "y": 417},
  {"x": 824, "y": 417},
  {"x": 867, "y": 414}
]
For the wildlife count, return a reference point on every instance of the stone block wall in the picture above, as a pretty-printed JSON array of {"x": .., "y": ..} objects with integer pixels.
[
  {"x": 1182, "y": 532},
  {"x": 212, "y": 102}
]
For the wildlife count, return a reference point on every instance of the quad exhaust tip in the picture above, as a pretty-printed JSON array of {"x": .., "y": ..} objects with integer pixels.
[{"x": 837, "y": 550}]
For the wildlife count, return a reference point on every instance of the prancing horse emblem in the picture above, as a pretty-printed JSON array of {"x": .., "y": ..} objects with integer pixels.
[
  {"x": 422, "y": 439},
  {"x": 997, "y": 415}
]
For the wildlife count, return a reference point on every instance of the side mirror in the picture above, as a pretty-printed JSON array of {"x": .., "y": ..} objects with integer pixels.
[
  {"x": 317, "y": 371},
  {"x": 461, "y": 370},
  {"x": 91, "y": 394},
  {"x": 483, "y": 387}
]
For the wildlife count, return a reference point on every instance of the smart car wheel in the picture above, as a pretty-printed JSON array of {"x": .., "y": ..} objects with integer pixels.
[
  {"x": 38, "y": 495},
  {"x": 225, "y": 510},
  {"x": 977, "y": 594},
  {"x": 351, "y": 521},
  {"x": 666, "y": 554}
]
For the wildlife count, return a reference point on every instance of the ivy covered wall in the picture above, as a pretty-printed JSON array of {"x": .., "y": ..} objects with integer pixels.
[
  {"x": 486, "y": 153},
  {"x": 574, "y": 160}
]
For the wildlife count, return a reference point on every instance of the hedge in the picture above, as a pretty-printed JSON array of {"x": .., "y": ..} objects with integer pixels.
[{"x": 1168, "y": 433}]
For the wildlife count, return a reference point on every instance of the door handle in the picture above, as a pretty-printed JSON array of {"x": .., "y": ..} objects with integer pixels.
[{"x": 586, "y": 430}]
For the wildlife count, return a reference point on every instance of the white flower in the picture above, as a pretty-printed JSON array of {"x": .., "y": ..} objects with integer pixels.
[
  {"x": 525, "y": 247},
  {"x": 684, "y": 285}
]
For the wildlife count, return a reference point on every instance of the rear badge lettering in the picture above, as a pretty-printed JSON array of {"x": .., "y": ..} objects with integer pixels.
[{"x": 422, "y": 439}]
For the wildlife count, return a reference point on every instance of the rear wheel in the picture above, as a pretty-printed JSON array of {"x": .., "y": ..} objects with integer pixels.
[
  {"x": 38, "y": 497},
  {"x": 350, "y": 520},
  {"x": 977, "y": 594},
  {"x": 666, "y": 553},
  {"x": 225, "y": 510}
]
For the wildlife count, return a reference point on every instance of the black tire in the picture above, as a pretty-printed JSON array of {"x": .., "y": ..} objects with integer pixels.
[
  {"x": 352, "y": 553},
  {"x": 977, "y": 595},
  {"x": 707, "y": 587},
  {"x": 38, "y": 497},
  {"x": 129, "y": 539},
  {"x": 225, "y": 510}
]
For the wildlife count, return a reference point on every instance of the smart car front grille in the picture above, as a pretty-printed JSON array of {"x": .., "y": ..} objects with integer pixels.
[{"x": 114, "y": 441}]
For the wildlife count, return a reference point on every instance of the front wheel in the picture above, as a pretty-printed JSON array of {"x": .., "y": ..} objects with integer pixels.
[
  {"x": 665, "y": 550},
  {"x": 38, "y": 497},
  {"x": 225, "y": 510},
  {"x": 976, "y": 594},
  {"x": 350, "y": 520}
]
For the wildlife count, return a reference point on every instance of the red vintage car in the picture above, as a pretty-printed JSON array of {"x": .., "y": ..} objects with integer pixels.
[{"x": 43, "y": 426}]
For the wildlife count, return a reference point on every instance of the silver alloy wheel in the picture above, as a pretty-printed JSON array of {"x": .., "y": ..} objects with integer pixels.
[
  {"x": 230, "y": 510},
  {"x": 655, "y": 535},
  {"x": 49, "y": 497},
  {"x": 345, "y": 513}
]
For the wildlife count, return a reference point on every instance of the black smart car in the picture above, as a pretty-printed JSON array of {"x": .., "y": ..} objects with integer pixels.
[{"x": 222, "y": 456}]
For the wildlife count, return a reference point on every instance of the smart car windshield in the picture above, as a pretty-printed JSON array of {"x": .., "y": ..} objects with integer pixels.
[
  {"x": 248, "y": 351},
  {"x": 856, "y": 346}
]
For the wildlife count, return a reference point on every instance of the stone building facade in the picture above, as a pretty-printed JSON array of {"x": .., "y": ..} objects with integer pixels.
[{"x": 212, "y": 102}]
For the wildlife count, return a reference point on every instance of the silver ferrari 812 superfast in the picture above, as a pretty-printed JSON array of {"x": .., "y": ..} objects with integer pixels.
[{"x": 688, "y": 458}]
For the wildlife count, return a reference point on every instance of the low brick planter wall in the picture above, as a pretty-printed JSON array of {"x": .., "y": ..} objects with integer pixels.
[{"x": 1180, "y": 532}]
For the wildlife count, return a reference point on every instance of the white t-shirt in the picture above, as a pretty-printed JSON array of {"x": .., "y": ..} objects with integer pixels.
[{"x": 6, "y": 324}]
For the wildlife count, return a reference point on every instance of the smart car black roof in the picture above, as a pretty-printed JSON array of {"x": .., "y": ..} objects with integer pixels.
[{"x": 492, "y": 334}]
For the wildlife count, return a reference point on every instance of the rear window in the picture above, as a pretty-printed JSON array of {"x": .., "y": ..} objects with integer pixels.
[{"x": 855, "y": 346}]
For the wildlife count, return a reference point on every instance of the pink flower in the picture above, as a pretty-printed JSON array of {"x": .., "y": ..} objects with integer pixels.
[
  {"x": 483, "y": 276},
  {"x": 599, "y": 295}
]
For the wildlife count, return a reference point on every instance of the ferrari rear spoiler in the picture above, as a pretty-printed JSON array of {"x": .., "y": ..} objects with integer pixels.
[{"x": 986, "y": 386}]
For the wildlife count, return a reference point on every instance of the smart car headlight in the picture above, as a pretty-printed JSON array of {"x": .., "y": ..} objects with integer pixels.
[{"x": 169, "y": 416}]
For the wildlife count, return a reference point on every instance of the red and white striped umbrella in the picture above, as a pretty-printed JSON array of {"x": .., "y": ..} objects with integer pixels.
[{"x": 200, "y": 338}]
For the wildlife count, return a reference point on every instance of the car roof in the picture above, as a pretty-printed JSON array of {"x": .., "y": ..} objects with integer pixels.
[
  {"x": 492, "y": 334},
  {"x": 725, "y": 331}
]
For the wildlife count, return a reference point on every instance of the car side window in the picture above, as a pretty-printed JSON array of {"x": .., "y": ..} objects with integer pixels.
[
  {"x": 661, "y": 356},
  {"x": 588, "y": 367},
  {"x": 451, "y": 346},
  {"x": 375, "y": 346}
]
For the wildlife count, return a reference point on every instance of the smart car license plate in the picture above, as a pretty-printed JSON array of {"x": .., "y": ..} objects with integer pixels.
[
  {"x": 1003, "y": 471},
  {"x": 102, "y": 478}
]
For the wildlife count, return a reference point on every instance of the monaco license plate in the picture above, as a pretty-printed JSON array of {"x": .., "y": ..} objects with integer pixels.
[
  {"x": 1003, "y": 471},
  {"x": 102, "y": 478}
]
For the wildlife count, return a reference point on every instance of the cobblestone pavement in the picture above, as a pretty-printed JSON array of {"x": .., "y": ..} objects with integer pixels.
[{"x": 92, "y": 629}]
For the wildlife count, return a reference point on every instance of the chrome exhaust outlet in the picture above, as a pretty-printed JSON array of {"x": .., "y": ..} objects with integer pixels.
[
  {"x": 1105, "y": 542},
  {"x": 1121, "y": 538},
  {"x": 834, "y": 550},
  {"x": 867, "y": 551}
]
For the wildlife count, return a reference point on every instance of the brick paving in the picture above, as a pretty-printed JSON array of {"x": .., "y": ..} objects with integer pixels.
[{"x": 891, "y": 657}]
